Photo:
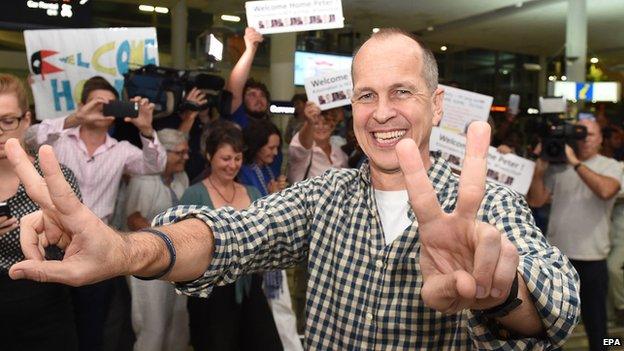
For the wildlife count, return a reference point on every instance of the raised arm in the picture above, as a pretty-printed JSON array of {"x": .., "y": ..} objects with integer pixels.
[
  {"x": 538, "y": 194},
  {"x": 603, "y": 186},
  {"x": 49, "y": 130},
  {"x": 217, "y": 246},
  {"x": 94, "y": 251},
  {"x": 240, "y": 72},
  {"x": 312, "y": 114}
]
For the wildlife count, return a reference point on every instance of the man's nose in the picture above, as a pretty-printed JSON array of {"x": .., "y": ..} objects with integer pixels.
[{"x": 384, "y": 111}]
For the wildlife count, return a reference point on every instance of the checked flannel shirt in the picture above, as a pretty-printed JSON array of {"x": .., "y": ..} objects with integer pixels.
[{"x": 363, "y": 294}]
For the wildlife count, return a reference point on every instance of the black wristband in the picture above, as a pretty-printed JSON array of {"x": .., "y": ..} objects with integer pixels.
[
  {"x": 576, "y": 166},
  {"x": 511, "y": 303},
  {"x": 170, "y": 248}
]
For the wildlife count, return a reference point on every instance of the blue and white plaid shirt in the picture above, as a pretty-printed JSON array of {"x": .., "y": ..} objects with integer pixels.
[{"x": 363, "y": 294}]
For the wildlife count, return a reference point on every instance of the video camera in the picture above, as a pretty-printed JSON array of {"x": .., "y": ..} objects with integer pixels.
[
  {"x": 556, "y": 132},
  {"x": 166, "y": 88}
]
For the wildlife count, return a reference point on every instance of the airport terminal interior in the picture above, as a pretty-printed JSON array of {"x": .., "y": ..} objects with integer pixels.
[{"x": 514, "y": 63}]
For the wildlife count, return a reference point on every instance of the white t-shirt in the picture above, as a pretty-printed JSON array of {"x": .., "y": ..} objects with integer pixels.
[
  {"x": 579, "y": 220},
  {"x": 393, "y": 207}
]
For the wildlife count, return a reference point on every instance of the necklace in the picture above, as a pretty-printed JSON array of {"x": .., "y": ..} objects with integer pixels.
[
  {"x": 261, "y": 178},
  {"x": 221, "y": 195}
]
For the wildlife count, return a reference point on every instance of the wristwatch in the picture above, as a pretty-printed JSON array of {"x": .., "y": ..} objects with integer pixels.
[{"x": 511, "y": 303}]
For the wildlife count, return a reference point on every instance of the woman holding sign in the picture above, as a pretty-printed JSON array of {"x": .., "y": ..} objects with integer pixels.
[{"x": 310, "y": 152}]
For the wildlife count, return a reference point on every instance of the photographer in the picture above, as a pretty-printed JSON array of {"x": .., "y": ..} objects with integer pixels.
[
  {"x": 582, "y": 192},
  {"x": 82, "y": 143}
]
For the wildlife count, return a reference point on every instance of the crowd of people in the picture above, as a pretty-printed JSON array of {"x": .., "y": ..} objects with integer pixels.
[{"x": 398, "y": 252}]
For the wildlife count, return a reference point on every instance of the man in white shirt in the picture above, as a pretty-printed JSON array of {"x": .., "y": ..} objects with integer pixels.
[{"x": 583, "y": 193}]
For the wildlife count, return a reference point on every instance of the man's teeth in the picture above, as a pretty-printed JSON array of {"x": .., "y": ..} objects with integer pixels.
[{"x": 388, "y": 137}]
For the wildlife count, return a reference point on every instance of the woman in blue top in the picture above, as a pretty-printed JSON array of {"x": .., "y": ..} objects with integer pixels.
[
  {"x": 263, "y": 141},
  {"x": 236, "y": 316}
]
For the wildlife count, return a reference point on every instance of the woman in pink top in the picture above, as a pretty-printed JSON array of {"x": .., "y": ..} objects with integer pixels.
[{"x": 310, "y": 152}]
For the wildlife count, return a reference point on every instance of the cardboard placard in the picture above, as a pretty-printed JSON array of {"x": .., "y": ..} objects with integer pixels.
[
  {"x": 281, "y": 16},
  {"x": 505, "y": 169},
  {"x": 462, "y": 107},
  {"x": 330, "y": 90}
]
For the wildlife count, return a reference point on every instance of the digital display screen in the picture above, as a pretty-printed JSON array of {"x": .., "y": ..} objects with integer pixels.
[{"x": 309, "y": 64}]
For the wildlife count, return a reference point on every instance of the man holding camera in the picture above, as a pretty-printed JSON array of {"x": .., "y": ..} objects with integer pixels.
[
  {"x": 582, "y": 193},
  {"x": 82, "y": 143}
]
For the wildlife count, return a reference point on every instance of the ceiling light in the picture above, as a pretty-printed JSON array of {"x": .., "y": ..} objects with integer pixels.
[
  {"x": 375, "y": 30},
  {"x": 594, "y": 60},
  {"x": 443, "y": 48},
  {"x": 552, "y": 78},
  {"x": 430, "y": 28},
  {"x": 161, "y": 9},
  {"x": 146, "y": 8},
  {"x": 564, "y": 78},
  {"x": 230, "y": 18}
]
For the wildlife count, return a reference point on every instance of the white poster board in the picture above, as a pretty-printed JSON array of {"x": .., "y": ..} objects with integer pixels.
[
  {"x": 330, "y": 90},
  {"x": 461, "y": 107},
  {"x": 514, "y": 104},
  {"x": 505, "y": 169},
  {"x": 281, "y": 16},
  {"x": 61, "y": 60}
]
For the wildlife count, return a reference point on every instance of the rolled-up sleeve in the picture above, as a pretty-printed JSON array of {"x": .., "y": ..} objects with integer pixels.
[
  {"x": 270, "y": 234},
  {"x": 46, "y": 132},
  {"x": 551, "y": 279},
  {"x": 152, "y": 159}
]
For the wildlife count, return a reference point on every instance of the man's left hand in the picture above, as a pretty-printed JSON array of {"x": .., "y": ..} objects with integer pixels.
[
  {"x": 197, "y": 97},
  {"x": 571, "y": 156},
  {"x": 146, "y": 114},
  {"x": 465, "y": 263}
]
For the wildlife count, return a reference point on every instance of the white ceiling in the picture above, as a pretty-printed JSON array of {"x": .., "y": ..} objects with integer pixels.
[{"x": 537, "y": 27}]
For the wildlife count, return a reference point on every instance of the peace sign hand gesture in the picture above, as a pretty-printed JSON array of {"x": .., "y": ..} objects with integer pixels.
[
  {"x": 92, "y": 249},
  {"x": 465, "y": 263}
]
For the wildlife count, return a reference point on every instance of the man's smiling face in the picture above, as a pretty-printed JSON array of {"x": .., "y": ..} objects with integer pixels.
[{"x": 392, "y": 99}]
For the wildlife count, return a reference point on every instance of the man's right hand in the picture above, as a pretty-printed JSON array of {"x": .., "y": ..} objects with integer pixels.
[
  {"x": 277, "y": 184},
  {"x": 93, "y": 251},
  {"x": 252, "y": 38},
  {"x": 89, "y": 112},
  {"x": 312, "y": 112}
]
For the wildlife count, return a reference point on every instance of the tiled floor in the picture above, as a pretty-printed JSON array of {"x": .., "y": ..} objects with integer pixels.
[{"x": 578, "y": 340}]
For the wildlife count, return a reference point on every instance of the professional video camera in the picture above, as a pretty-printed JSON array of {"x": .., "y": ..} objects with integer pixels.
[
  {"x": 212, "y": 86},
  {"x": 555, "y": 132},
  {"x": 166, "y": 87}
]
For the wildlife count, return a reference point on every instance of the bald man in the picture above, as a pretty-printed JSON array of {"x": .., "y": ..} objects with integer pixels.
[
  {"x": 402, "y": 254},
  {"x": 583, "y": 193}
]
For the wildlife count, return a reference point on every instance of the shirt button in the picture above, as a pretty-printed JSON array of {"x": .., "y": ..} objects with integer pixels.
[
  {"x": 379, "y": 264},
  {"x": 369, "y": 316}
]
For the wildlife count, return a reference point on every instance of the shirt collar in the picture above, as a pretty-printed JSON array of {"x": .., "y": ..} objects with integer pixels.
[
  {"x": 439, "y": 173},
  {"x": 75, "y": 133}
]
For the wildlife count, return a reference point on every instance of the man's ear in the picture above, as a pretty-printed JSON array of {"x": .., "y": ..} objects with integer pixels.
[{"x": 437, "y": 105}]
